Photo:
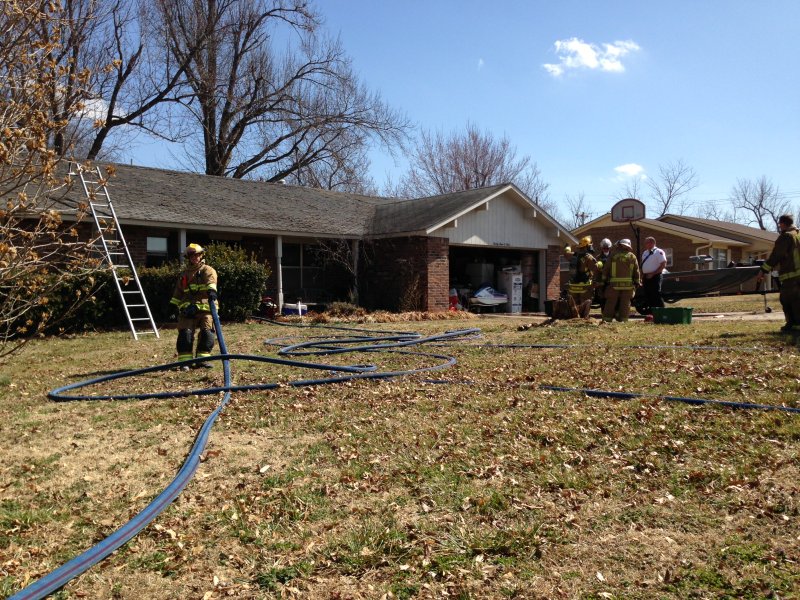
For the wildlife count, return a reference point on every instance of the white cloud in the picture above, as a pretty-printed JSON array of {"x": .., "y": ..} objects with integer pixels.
[
  {"x": 480, "y": 64},
  {"x": 94, "y": 108},
  {"x": 574, "y": 53},
  {"x": 630, "y": 170}
]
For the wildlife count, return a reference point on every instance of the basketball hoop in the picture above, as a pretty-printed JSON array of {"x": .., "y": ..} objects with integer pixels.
[{"x": 627, "y": 211}]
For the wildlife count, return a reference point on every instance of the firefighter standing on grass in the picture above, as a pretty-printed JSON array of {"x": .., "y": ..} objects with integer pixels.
[
  {"x": 602, "y": 258},
  {"x": 621, "y": 273},
  {"x": 580, "y": 284},
  {"x": 196, "y": 288},
  {"x": 785, "y": 257}
]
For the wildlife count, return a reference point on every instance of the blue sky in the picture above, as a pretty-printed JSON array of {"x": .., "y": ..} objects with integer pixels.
[{"x": 593, "y": 91}]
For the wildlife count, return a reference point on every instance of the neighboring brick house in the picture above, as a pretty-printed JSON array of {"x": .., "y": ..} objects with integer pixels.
[
  {"x": 683, "y": 237},
  {"x": 410, "y": 252}
]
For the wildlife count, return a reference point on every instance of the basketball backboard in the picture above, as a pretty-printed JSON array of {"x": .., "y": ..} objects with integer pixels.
[{"x": 627, "y": 210}]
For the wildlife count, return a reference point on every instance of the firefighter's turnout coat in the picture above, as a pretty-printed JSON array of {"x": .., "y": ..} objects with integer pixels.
[
  {"x": 785, "y": 258},
  {"x": 580, "y": 284},
  {"x": 621, "y": 274},
  {"x": 192, "y": 289}
]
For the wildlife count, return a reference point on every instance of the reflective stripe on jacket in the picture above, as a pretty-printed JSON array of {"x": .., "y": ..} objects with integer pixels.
[
  {"x": 622, "y": 271},
  {"x": 193, "y": 287},
  {"x": 586, "y": 269}
]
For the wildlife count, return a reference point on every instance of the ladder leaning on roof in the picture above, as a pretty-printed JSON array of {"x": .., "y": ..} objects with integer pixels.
[{"x": 115, "y": 249}]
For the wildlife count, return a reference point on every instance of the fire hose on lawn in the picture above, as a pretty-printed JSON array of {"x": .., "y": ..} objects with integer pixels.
[{"x": 397, "y": 342}]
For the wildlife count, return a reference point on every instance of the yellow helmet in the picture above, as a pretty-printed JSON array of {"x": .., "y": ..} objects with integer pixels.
[
  {"x": 194, "y": 249},
  {"x": 585, "y": 242},
  {"x": 567, "y": 250}
]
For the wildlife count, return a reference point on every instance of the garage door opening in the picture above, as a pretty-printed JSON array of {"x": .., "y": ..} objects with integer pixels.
[{"x": 472, "y": 267}]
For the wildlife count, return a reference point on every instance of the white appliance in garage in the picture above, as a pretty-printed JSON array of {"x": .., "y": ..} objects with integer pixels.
[{"x": 509, "y": 281}]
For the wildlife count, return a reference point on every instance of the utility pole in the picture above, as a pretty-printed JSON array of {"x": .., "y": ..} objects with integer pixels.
[{"x": 580, "y": 218}]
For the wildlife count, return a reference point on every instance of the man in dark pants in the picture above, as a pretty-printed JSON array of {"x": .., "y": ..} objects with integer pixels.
[
  {"x": 785, "y": 258},
  {"x": 195, "y": 290},
  {"x": 654, "y": 261}
]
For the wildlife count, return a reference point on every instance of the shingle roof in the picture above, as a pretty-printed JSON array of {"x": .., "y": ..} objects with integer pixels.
[
  {"x": 732, "y": 230},
  {"x": 145, "y": 195},
  {"x": 686, "y": 232},
  {"x": 405, "y": 216}
]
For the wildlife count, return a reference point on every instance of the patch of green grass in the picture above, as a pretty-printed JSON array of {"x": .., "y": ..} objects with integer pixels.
[
  {"x": 8, "y": 585},
  {"x": 404, "y": 591},
  {"x": 282, "y": 479},
  {"x": 746, "y": 553},
  {"x": 157, "y": 561},
  {"x": 15, "y": 518},
  {"x": 272, "y": 578},
  {"x": 366, "y": 546},
  {"x": 37, "y": 467}
]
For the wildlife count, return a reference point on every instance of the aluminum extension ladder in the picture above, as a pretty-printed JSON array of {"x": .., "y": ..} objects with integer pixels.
[{"x": 137, "y": 311}]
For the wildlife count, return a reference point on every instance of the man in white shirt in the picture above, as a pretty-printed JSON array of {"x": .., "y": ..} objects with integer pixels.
[{"x": 654, "y": 261}]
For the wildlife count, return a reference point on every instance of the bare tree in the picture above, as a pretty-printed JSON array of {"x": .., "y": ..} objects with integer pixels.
[
  {"x": 113, "y": 71},
  {"x": 578, "y": 212},
  {"x": 76, "y": 59},
  {"x": 263, "y": 111},
  {"x": 444, "y": 163},
  {"x": 717, "y": 211},
  {"x": 631, "y": 189},
  {"x": 760, "y": 200},
  {"x": 668, "y": 191},
  {"x": 345, "y": 168},
  {"x": 38, "y": 254},
  {"x": 142, "y": 82}
]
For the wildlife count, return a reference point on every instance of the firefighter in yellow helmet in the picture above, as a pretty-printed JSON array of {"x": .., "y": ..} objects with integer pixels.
[
  {"x": 621, "y": 272},
  {"x": 195, "y": 289},
  {"x": 580, "y": 283}
]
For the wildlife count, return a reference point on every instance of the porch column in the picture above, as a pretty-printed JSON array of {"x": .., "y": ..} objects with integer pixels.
[
  {"x": 279, "y": 270},
  {"x": 181, "y": 244},
  {"x": 543, "y": 281},
  {"x": 355, "y": 246}
]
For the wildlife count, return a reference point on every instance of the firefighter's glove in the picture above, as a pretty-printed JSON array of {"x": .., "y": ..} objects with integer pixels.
[
  {"x": 173, "y": 316},
  {"x": 190, "y": 311},
  {"x": 212, "y": 295}
]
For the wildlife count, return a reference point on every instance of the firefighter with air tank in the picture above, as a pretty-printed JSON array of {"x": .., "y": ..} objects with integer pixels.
[
  {"x": 195, "y": 290},
  {"x": 621, "y": 274},
  {"x": 602, "y": 258},
  {"x": 580, "y": 285}
]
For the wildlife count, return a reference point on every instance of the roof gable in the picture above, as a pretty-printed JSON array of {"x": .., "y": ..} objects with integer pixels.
[{"x": 427, "y": 215}]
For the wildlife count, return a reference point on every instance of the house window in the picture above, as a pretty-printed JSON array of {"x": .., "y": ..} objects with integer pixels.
[
  {"x": 301, "y": 269},
  {"x": 668, "y": 254},
  {"x": 720, "y": 258},
  {"x": 156, "y": 251}
]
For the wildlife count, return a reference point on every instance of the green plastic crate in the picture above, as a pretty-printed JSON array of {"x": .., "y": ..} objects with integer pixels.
[{"x": 673, "y": 315}]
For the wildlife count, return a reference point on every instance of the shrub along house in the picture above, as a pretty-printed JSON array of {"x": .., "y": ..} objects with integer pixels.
[{"x": 401, "y": 253}]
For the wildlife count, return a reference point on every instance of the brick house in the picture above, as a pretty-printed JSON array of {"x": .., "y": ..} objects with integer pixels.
[
  {"x": 683, "y": 237},
  {"x": 409, "y": 253}
]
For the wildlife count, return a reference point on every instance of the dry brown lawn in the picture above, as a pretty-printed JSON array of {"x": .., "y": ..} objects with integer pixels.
[{"x": 482, "y": 485}]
